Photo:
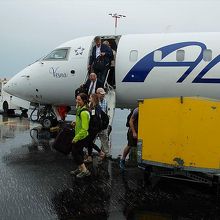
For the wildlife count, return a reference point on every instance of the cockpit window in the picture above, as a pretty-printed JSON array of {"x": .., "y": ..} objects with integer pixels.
[{"x": 58, "y": 54}]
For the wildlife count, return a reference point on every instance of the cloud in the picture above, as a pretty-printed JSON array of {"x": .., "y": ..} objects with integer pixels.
[{"x": 32, "y": 28}]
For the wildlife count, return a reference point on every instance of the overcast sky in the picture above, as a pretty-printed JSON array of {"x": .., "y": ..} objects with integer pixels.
[{"x": 29, "y": 29}]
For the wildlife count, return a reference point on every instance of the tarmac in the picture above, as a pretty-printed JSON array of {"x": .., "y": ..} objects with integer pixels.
[{"x": 35, "y": 183}]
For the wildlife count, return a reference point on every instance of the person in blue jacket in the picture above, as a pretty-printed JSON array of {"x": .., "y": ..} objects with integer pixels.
[{"x": 100, "y": 59}]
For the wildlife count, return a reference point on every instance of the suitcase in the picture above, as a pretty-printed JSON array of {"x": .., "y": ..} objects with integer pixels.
[{"x": 63, "y": 141}]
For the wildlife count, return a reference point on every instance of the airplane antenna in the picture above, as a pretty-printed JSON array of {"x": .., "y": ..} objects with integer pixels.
[{"x": 116, "y": 17}]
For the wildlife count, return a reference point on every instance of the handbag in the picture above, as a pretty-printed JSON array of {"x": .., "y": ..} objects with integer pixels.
[{"x": 99, "y": 64}]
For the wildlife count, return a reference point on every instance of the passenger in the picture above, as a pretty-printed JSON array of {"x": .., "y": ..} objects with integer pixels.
[
  {"x": 111, "y": 77},
  {"x": 63, "y": 110},
  {"x": 95, "y": 110},
  {"x": 100, "y": 59},
  {"x": 81, "y": 138},
  {"x": 103, "y": 135},
  {"x": 132, "y": 135},
  {"x": 92, "y": 84}
]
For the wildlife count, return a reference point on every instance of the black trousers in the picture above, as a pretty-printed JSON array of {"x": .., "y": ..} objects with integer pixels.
[
  {"x": 101, "y": 74},
  {"x": 77, "y": 150},
  {"x": 92, "y": 145},
  {"x": 111, "y": 77}
]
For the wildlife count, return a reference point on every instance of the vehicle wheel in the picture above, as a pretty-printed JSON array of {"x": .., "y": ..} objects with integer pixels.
[
  {"x": 11, "y": 112},
  {"x": 24, "y": 113},
  {"x": 216, "y": 186},
  {"x": 5, "y": 106},
  {"x": 147, "y": 175},
  {"x": 49, "y": 122}
]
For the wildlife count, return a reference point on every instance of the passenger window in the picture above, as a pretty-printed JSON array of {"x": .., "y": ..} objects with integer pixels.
[
  {"x": 157, "y": 55},
  {"x": 207, "y": 55},
  {"x": 58, "y": 54},
  {"x": 133, "y": 55},
  {"x": 180, "y": 55}
]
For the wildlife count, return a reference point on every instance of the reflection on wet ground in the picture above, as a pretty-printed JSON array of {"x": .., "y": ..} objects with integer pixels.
[{"x": 35, "y": 184}]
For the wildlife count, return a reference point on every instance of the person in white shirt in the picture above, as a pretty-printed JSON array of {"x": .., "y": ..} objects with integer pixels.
[
  {"x": 92, "y": 84},
  {"x": 103, "y": 135},
  {"x": 100, "y": 59}
]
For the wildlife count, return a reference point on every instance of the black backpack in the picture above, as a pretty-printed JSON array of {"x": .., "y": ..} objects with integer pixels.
[
  {"x": 104, "y": 120},
  {"x": 99, "y": 64}
]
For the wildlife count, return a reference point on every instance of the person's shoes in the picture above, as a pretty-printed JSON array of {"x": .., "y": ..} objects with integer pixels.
[
  {"x": 75, "y": 172},
  {"x": 122, "y": 164},
  {"x": 88, "y": 160},
  {"x": 83, "y": 174}
]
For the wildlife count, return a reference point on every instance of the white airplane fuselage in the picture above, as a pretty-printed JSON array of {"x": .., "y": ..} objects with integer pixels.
[{"x": 146, "y": 66}]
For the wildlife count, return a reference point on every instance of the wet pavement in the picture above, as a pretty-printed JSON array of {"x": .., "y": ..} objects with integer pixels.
[{"x": 35, "y": 183}]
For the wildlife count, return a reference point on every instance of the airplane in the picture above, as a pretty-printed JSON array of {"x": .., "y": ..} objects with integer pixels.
[{"x": 146, "y": 66}]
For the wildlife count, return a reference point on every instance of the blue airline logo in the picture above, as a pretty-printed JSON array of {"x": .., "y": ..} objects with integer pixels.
[{"x": 142, "y": 68}]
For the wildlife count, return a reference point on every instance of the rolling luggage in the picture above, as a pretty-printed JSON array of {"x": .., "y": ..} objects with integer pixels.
[{"x": 63, "y": 141}]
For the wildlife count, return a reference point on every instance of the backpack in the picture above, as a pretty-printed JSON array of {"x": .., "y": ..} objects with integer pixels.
[
  {"x": 95, "y": 122},
  {"x": 128, "y": 118},
  {"x": 99, "y": 64},
  {"x": 79, "y": 90},
  {"x": 104, "y": 120}
]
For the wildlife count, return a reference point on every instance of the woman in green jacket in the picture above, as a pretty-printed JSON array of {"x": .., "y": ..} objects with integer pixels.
[{"x": 81, "y": 138}]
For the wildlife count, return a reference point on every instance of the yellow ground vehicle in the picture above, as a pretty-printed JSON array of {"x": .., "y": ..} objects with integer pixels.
[{"x": 181, "y": 134}]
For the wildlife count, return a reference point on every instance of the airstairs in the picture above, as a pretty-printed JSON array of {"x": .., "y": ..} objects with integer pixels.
[{"x": 111, "y": 100}]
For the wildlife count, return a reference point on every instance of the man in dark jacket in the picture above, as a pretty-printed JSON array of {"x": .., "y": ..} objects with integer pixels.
[
  {"x": 100, "y": 59},
  {"x": 92, "y": 84}
]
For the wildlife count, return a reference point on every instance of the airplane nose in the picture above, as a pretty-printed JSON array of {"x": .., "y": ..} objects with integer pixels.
[
  {"x": 16, "y": 86},
  {"x": 21, "y": 84},
  {"x": 11, "y": 87}
]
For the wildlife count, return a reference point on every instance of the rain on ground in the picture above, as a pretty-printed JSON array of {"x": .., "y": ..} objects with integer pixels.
[{"x": 35, "y": 183}]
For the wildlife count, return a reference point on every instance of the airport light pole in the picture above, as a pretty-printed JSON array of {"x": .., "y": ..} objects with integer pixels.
[{"x": 116, "y": 17}]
